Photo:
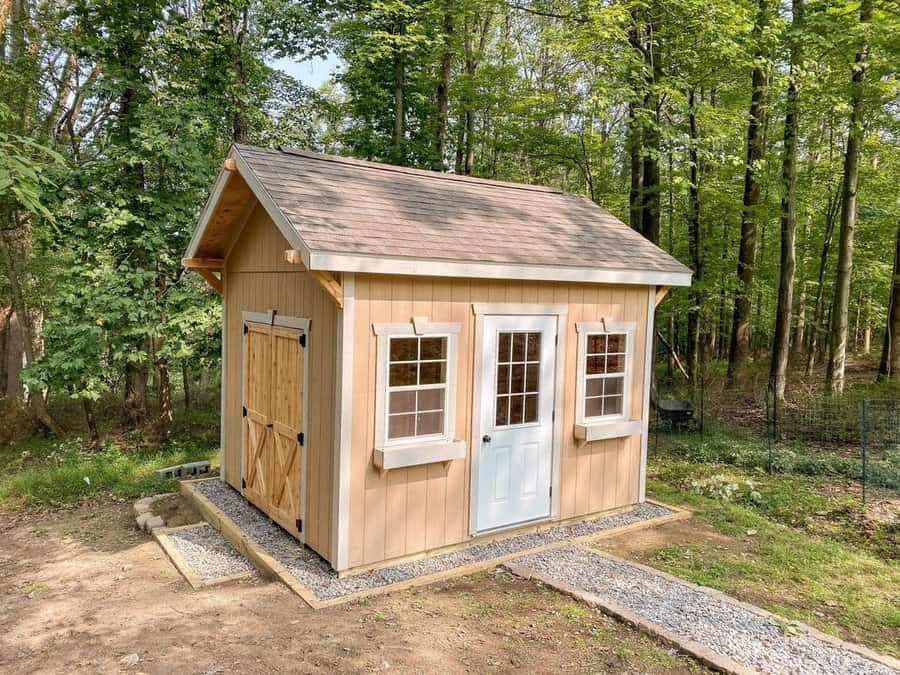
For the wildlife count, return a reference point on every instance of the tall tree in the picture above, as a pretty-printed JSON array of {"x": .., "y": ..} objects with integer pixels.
[
  {"x": 781, "y": 345},
  {"x": 837, "y": 347},
  {"x": 889, "y": 367},
  {"x": 739, "y": 351}
]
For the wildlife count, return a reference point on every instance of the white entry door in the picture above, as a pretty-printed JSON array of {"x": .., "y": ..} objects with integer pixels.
[{"x": 518, "y": 365}]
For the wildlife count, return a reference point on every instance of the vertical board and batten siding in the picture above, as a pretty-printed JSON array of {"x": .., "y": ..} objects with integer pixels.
[
  {"x": 408, "y": 511},
  {"x": 258, "y": 279}
]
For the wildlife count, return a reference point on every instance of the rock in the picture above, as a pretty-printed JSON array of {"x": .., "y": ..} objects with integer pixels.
[
  {"x": 129, "y": 660},
  {"x": 153, "y": 522},
  {"x": 143, "y": 518}
]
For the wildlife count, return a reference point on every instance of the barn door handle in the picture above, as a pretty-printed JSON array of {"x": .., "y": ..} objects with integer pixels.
[
  {"x": 486, "y": 439},
  {"x": 269, "y": 425}
]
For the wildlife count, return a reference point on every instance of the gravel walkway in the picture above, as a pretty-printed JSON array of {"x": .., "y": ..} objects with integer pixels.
[
  {"x": 208, "y": 553},
  {"x": 750, "y": 639},
  {"x": 316, "y": 575}
]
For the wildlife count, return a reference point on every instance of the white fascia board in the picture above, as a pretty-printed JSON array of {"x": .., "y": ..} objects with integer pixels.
[
  {"x": 338, "y": 262},
  {"x": 209, "y": 208},
  {"x": 280, "y": 220}
]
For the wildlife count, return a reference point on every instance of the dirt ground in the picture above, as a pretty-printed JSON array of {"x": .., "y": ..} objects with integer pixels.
[{"x": 81, "y": 590}]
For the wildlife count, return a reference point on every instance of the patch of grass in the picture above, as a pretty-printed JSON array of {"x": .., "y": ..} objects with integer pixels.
[
  {"x": 63, "y": 472},
  {"x": 838, "y": 587}
]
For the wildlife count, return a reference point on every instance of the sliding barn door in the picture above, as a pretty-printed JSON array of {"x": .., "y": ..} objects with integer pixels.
[{"x": 273, "y": 416}]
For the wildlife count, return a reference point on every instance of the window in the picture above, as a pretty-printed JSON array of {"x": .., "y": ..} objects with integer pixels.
[
  {"x": 417, "y": 386},
  {"x": 518, "y": 378},
  {"x": 416, "y": 382},
  {"x": 604, "y": 369}
]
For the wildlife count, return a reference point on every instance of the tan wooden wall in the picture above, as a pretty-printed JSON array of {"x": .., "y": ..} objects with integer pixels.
[
  {"x": 258, "y": 279},
  {"x": 406, "y": 511}
]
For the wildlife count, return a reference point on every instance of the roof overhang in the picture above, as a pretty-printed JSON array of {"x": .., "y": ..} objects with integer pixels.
[
  {"x": 232, "y": 199},
  {"x": 338, "y": 262}
]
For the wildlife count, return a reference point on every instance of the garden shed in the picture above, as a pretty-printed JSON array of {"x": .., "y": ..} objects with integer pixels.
[{"x": 414, "y": 361}]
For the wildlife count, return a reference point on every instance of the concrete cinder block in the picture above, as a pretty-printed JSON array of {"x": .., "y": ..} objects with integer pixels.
[{"x": 153, "y": 522}]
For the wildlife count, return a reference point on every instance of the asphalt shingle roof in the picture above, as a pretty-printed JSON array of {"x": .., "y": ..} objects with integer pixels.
[{"x": 348, "y": 206}]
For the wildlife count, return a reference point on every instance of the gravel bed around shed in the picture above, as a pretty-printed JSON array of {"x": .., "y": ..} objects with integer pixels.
[
  {"x": 315, "y": 574},
  {"x": 208, "y": 553},
  {"x": 752, "y": 640}
]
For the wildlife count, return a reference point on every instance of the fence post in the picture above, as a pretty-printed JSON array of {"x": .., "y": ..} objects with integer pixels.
[{"x": 863, "y": 442}]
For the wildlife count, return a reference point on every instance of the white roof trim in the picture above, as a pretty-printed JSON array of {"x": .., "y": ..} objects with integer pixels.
[
  {"x": 338, "y": 262},
  {"x": 281, "y": 222}
]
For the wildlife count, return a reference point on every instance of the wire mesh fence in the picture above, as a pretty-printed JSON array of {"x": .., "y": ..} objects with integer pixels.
[{"x": 846, "y": 435}]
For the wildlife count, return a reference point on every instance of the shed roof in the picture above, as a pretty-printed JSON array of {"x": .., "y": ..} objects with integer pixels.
[{"x": 350, "y": 215}]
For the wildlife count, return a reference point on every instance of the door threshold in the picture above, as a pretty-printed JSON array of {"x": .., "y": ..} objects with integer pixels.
[{"x": 513, "y": 526}]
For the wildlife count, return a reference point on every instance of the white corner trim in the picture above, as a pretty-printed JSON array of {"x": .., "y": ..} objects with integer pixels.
[
  {"x": 645, "y": 409},
  {"x": 340, "y": 262},
  {"x": 518, "y": 309},
  {"x": 223, "y": 375},
  {"x": 598, "y": 431},
  {"x": 416, "y": 454},
  {"x": 585, "y": 328},
  {"x": 343, "y": 427}
]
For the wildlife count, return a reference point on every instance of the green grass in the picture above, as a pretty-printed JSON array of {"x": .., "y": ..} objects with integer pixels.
[
  {"x": 45, "y": 472},
  {"x": 774, "y": 559}
]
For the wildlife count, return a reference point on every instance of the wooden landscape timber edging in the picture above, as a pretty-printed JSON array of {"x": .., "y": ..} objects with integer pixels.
[
  {"x": 692, "y": 648},
  {"x": 161, "y": 535},
  {"x": 272, "y": 568}
]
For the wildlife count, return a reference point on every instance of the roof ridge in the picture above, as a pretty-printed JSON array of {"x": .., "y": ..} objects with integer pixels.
[{"x": 410, "y": 171}]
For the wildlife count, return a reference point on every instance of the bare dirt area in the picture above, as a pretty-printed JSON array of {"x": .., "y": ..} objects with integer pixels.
[{"x": 81, "y": 590}]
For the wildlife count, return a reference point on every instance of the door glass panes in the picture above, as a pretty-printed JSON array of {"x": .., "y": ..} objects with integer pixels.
[
  {"x": 518, "y": 378},
  {"x": 604, "y": 386},
  {"x": 417, "y": 386}
]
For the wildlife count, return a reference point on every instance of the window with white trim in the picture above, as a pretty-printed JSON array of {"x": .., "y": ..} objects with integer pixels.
[
  {"x": 417, "y": 387},
  {"x": 416, "y": 382},
  {"x": 604, "y": 370}
]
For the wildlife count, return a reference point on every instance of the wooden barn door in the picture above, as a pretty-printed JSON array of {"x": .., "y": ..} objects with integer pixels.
[
  {"x": 257, "y": 397},
  {"x": 273, "y": 417},
  {"x": 286, "y": 418}
]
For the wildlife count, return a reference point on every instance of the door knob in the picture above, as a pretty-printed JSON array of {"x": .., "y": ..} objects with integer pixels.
[{"x": 486, "y": 439}]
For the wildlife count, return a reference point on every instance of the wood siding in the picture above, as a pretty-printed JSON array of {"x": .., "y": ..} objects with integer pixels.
[
  {"x": 407, "y": 511},
  {"x": 257, "y": 279}
]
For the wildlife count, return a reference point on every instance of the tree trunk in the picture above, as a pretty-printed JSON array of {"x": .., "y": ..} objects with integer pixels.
[
  {"x": 5, "y": 316},
  {"x": 87, "y": 405},
  {"x": 134, "y": 412},
  {"x": 812, "y": 347},
  {"x": 443, "y": 90},
  {"x": 889, "y": 367},
  {"x": 781, "y": 346},
  {"x": 397, "y": 137},
  {"x": 837, "y": 348},
  {"x": 186, "y": 382},
  {"x": 460, "y": 145},
  {"x": 739, "y": 351},
  {"x": 694, "y": 242},
  {"x": 635, "y": 193},
  {"x": 651, "y": 150}
]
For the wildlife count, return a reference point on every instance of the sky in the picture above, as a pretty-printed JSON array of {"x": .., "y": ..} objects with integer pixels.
[{"x": 313, "y": 73}]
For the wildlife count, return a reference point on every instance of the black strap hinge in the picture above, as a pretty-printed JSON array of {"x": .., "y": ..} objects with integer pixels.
[
  {"x": 243, "y": 411},
  {"x": 246, "y": 329},
  {"x": 300, "y": 438},
  {"x": 302, "y": 339},
  {"x": 299, "y": 524},
  {"x": 243, "y": 483}
]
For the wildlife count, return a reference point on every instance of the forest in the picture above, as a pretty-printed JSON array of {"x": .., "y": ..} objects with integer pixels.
[{"x": 754, "y": 140}]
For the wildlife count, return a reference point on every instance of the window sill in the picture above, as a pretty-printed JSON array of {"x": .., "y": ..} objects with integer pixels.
[
  {"x": 597, "y": 431},
  {"x": 415, "y": 454}
]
